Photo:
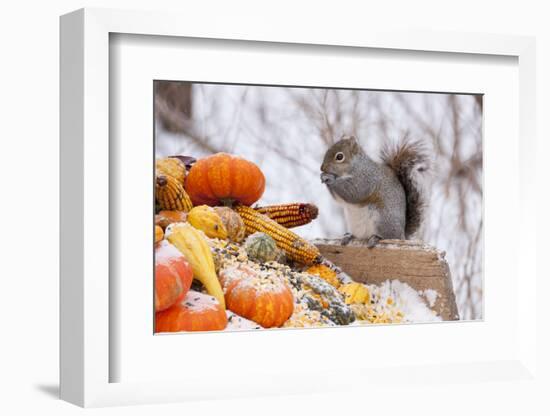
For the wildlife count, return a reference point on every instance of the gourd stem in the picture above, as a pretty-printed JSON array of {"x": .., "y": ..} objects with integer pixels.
[{"x": 228, "y": 202}]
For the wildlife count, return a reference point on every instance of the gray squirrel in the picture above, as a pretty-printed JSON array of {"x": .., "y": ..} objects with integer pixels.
[{"x": 382, "y": 200}]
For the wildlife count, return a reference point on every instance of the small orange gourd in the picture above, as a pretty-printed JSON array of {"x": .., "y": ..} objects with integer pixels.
[
  {"x": 261, "y": 297},
  {"x": 196, "y": 312},
  {"x": 173, "y": 276}
]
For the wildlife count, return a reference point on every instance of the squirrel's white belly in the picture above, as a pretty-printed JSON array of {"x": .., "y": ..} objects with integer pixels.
[{"x": 361, "y": 220}]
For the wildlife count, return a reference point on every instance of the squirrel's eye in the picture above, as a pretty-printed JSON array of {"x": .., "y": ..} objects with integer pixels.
[{"x": 339, "y": 157}]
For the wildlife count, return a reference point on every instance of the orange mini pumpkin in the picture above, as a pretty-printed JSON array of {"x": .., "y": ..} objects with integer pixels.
[
  {"x": 258, "y": 295},
  {"x": 223, "y": 179},
  {"x": 173, "y": 276},
  {"x": 197, "y": 312}
]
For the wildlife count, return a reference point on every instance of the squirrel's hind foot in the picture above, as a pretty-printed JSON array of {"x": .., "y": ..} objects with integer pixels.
[
  {"x": 373, "y": 241},
  {"x": 346, "y": 239}
]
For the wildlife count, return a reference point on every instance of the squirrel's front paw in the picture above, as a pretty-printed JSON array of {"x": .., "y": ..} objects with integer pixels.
[
  {"x": 346, "y": 239},
  {"x": 373, "y": 241}
]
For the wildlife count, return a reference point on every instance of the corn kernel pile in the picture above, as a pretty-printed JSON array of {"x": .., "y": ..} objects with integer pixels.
[{"x": 322, "y": 298}]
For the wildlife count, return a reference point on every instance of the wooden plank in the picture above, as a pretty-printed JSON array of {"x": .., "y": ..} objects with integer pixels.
[{"x": 421, "y": 266}]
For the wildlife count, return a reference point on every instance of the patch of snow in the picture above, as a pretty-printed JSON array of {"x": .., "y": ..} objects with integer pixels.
[
  {"x": 166, "y": 253},
  {"x": 408, "y": 300},
  {"x": 197, "y": 301},
  {"x": 430, "y": 295},
  {"x": 238, "y": 323}
]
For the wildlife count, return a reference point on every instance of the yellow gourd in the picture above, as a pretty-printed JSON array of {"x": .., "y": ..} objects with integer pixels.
[
  {"x": 325, "y": 273},
  {"x": 204, "y": 218},
  {"x": 194, "y": 247},
  {"x": 355, "y": 293},
  {"x": 233, "y": 223}
]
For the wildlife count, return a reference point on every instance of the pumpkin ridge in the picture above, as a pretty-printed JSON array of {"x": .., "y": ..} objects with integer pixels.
[
  {"x": 260, "y": 310},
  {"x": 250, "y": 305},
  {"x": 232, "y": 174},
  {"x": 279, "y": 313},
  {"x": 197, "y": 184},
  {"x": 179, "y": 283},
  {"x": 218, "y": 176},
  {"x": 172, "y": 277},
  {"x": 239, "y": 186},
  {"x": 208, "y": 193},
  {"x": 270, "y": 309}
]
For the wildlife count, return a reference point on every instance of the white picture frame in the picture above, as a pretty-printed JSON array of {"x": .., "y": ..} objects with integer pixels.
[{"x": 86, "y": 356}]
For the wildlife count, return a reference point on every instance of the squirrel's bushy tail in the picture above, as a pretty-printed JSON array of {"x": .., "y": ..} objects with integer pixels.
[{"x": 409, "y": 159}]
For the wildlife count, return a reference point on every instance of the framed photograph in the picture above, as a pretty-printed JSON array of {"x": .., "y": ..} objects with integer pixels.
[{"x": 256, "y": 205}]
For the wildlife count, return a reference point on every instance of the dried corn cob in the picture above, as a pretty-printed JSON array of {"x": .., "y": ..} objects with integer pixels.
[
  {"x": 290, "y": 215},
  {"x": 171, "y": 195},
  {"x": 172, "y": 167},
  {"x": 295, "y": 247}
]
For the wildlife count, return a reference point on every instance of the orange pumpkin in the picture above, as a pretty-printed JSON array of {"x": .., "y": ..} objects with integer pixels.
[
  {"x": 197, "y": 312},
  {"x": 260, "y": 296},
  {"x": 223, "y": 179},
  {"x": 173, "y": 276}
]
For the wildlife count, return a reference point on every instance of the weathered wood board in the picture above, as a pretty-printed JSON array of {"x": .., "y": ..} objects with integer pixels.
[{"x": 413, "y": 262}]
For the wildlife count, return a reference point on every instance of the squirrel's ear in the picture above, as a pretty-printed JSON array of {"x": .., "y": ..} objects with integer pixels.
[
  {"x": 353, "y": 141},
  {"x": 350, "y": 137}
]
